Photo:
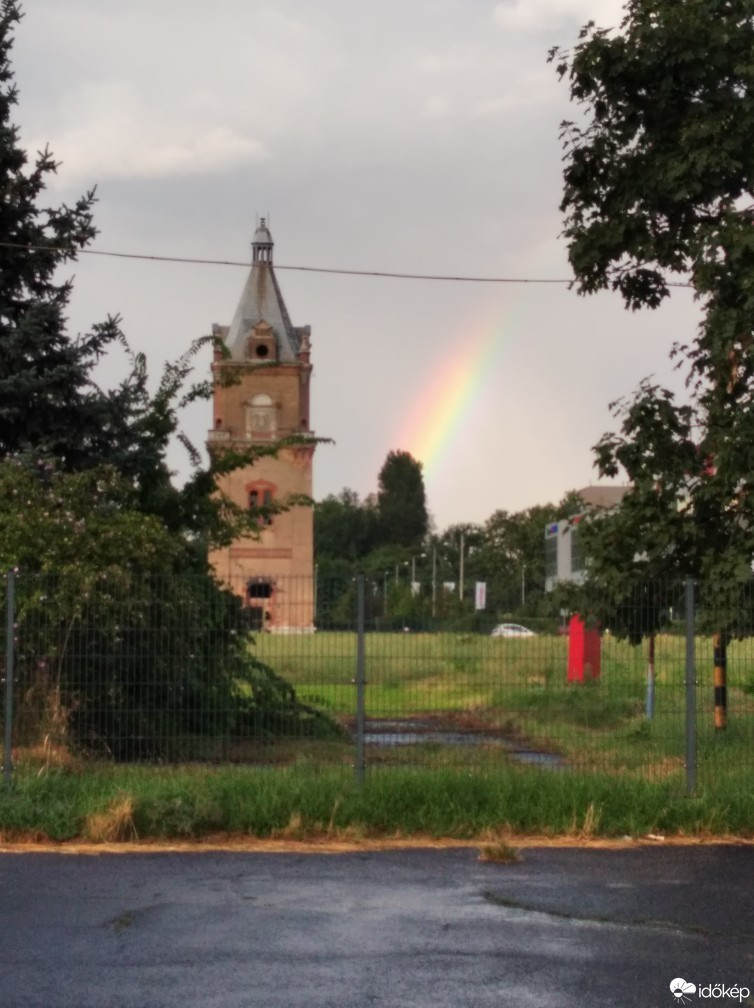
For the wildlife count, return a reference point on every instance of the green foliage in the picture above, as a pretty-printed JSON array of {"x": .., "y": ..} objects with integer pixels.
[
  {"x": 126, "y": 642},
  {"x": 79, "y": 525},
  {"x": 511, "y": 555},
  {"x": 656, "y": 170},
  {"x": 683, "y": 517},
  {"x": 506, "y": 553},
  {"x": 344, "y": 527},
  {"x": 115, "y": 658}
]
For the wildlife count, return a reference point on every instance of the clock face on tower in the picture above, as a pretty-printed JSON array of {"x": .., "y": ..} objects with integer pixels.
[{"x": 261, "y": 418}]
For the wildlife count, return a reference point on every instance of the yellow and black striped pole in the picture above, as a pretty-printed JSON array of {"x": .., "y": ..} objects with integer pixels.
[{"x": 721, "y": 692}]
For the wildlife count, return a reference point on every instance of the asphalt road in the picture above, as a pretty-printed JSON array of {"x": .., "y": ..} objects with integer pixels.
[{"x": 562, "y": 927}]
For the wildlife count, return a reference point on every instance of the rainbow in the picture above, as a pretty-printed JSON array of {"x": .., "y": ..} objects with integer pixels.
[{"x": 440, "y": 413}]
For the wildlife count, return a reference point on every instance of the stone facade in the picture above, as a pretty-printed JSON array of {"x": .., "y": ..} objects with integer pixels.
[{"x": 273, "y": 572}]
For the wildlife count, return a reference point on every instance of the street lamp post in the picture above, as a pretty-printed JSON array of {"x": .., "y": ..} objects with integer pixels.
[
  {"x": 460, "y": 570},
  {"x": 434, "y": 579},
  {"x": 419, "y": 556}
]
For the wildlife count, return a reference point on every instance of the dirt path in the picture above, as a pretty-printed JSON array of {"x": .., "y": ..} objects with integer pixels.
[{"x": 329, "y": 845}]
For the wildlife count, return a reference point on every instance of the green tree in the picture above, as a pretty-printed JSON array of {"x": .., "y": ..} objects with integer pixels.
[
  {"x": 659, "y": 180},
  {"x": 659, "y": 183},
  {"x": 401, "y": 501},
  {"x": 510, "y": 555},
  {"x": 513, "y": 553},
  {"x": 683, "y": 517}
]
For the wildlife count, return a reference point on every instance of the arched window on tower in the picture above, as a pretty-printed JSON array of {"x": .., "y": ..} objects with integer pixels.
[{"x": 261, "y": 495}]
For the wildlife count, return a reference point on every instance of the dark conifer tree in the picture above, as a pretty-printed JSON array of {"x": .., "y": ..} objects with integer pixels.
[
  {"x": 48, "y": 405},
  {"x": 51, "y": 409}
]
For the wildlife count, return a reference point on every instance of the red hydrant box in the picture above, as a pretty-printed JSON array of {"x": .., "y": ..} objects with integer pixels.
[{"x": 583, "y": 651}]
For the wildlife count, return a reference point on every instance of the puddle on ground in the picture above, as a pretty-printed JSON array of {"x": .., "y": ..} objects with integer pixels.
[
  {"x": 389, "y": 733},
  {"x": 436, "y": 737},
  {"x": 534, "y": 758}
]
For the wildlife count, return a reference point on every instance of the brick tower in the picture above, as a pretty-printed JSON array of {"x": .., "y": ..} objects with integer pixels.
[{"x": 274, "y": 572}]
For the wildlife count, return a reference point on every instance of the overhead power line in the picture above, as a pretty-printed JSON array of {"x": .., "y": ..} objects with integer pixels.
[{"x": 306, "y": 269}]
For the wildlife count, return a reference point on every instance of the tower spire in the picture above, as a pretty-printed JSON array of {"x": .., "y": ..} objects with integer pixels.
[{"x": 262, "y": 301}]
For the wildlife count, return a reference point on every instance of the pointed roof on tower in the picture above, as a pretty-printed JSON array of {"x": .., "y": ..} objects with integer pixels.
[{"x": 262, "y": 301}]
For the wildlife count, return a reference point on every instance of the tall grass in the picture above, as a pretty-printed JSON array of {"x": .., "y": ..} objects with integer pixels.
[{"x": 118, "y": 803}]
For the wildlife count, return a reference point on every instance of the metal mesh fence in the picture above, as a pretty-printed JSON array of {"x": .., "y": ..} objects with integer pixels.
[{"x": 174, "y": 670}]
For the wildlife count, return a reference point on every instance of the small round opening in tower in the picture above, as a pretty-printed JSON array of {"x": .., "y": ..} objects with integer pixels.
[{"x": 262, "y": 350}]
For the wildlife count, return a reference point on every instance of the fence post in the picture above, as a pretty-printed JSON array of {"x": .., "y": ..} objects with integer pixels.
[
  {"x": 690, "y": 691},
  {"x": 650, "y": 700},
  {"x": 360, "y": 680},
  {"x": 720, "y": 646},
  {"x": 10, "y": 607}
]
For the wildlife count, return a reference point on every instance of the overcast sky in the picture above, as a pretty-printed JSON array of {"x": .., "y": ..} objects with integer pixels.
[{"x": 418, "y": 136}]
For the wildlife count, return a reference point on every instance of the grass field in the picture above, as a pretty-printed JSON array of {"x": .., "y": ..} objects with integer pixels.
[{"x": 511, "y": 696}]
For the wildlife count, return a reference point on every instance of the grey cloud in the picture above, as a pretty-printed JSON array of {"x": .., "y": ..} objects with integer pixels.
[{"x": 419, "y": 137}]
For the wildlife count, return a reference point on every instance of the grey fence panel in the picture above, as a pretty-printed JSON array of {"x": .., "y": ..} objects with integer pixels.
[
  {"x": 506, "y": 697},
  {"x": 279, "y": 671}
]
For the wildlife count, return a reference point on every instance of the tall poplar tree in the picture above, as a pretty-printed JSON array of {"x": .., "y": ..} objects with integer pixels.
[{"x": 401, "y": 501}]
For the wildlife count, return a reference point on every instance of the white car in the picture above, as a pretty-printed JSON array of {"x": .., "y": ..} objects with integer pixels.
[{"x": 512, "y": 630}]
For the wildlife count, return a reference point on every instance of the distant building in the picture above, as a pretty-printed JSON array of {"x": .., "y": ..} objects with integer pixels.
[
  {"x": 564, "y": 558},
  {"x": 274, "y": 572},
  {"x": 604, "y": 495}
]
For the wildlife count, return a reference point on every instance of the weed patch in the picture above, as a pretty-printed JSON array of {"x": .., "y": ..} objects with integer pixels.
[
  {"x": 499, "y": 850},
  {"x": 114, "y": 824}
]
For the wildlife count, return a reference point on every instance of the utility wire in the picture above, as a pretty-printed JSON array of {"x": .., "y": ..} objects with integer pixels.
[{"x": 304, "y": 269}]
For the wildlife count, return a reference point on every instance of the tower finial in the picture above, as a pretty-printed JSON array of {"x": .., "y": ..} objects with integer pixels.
[{"x": 262, "y": 244}]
